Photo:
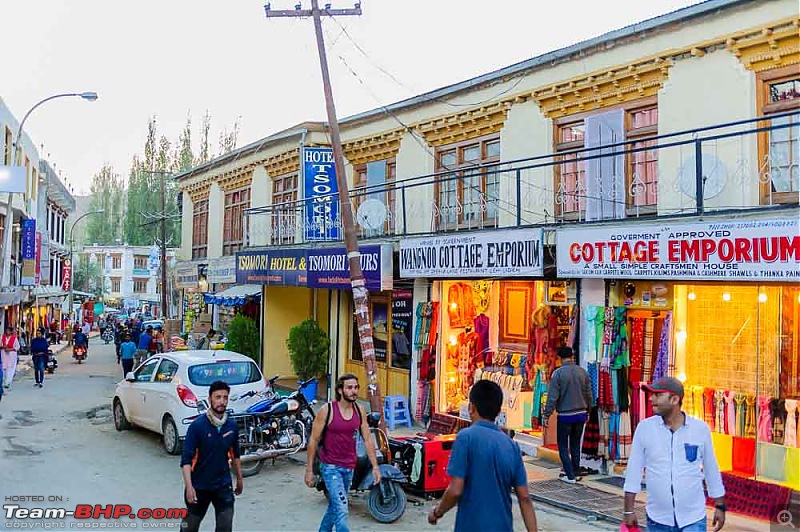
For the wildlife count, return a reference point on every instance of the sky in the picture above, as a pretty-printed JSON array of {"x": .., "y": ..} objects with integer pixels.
[{"x": 174, "y": 59}]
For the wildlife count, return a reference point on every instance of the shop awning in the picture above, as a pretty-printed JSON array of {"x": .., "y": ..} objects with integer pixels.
[
  {"x": 10, "y": 298},
  {"x": 48, "y": 291},
  {"x": 235, "y": 295}
]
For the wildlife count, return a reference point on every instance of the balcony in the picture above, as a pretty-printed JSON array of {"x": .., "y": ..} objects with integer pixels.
[{"x": 739, "y": 166}]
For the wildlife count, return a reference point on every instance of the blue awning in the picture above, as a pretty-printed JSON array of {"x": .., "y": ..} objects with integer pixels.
[{"x": 236, "y": 295}]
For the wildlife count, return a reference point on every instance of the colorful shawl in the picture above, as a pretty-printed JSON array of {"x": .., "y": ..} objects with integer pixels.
[
  {"x": 662, "y": 359},
  {"x": 647, "y": 350}
]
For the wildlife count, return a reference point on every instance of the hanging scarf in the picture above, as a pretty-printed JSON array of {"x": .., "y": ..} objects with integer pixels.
[
  {"x": 608, "y": 326},
  {"x": 697, "y": 391},
  {"x": 591, "y": 369},
  {"x": 637, "y": 348},
  {"x": 620, "y": 357},
  {"x": 764, "y": 421},
  {"x": 605, "y": 439},
  {"x": 662, "y": 358},
  {"x": 636, "y": 411},
  {"x": 740, "y": 414},
  {"x": 730, "y": 413},
  {"x": 216, "y": 421},
  {"x": 591, "y": 435},
  {"x": 647, "y": 350},
  {"x": 625, "y": 437},
  {"x": 778, "y": 411},
  {"x": 719, "y": 408},
  {"x": 709, "y": 411},
  {"x": 750, "y": 417},
  {"x": 790, "y": 430}
]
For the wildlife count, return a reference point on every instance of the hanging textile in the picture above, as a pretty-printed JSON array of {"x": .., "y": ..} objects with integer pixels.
[
  {"x": 605, "y": 437},
  {"x": 482, "y": 329},
  {"x": 423, "y": 410},
  {"x": 750, "y": 417},
  {"x": 740, "y": 414},
  {"x": 620, "y": 357},
  {"x": 608, "y": 326},
  {"x": 613, "y": 429},
  {"x": 605, "y": 395},
  {"x": 790, "y": 430},
  {"x": 637, "y": 349},
  {"x": 594, "y": 333},
  {"x": 636, "y": 405},
  {"x": 764, "y": 428},
  {"x": 662, "y": 358},
  {"x": 647, "y": 350},
  {"x": 460, "y": 305},
  {"x": 778, "y": 414},
  {"x": 625, "y": 437},
  {"x": 719, "y": 409},
  {"x": 622, "y": 395},
  {"x": 697, "y": 399},
  {"x": 730, "y": 413},
  {"x": 591, "y": 435},
  {"x": 709, "y": 410},
  {"x": 592, "y": 370}
]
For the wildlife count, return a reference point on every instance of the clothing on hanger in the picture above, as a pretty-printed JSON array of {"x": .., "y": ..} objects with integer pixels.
[
  {"x": 741, "y": 412},
  {"x": 625, "y": 437},
  {"x": 662, "y": 356},
  {"x": 647, "y": 350},
  {"x": 730, "y": 413},
  {"x": 750, "y": 417},
  {"x": 620, "y": 356},
  {"x": 637, "y": 348},
  {"x": 591, "y": 435},
  {"x": 719, "y": 408},
  {"x": 764, "y": 420},
  {"x": 709, "y": 410},
  {"x": 460, "y": 305},
  {"x": 790, "y": 430},
  {"x": 778, "y": 415}
]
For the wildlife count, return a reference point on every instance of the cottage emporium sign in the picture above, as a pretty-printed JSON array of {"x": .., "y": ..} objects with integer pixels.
[
  {"x": 516, "y": 253},
  {"x": 753, "y": 250}
]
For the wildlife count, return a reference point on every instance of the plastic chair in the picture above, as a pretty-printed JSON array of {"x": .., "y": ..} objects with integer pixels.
[{"x": 395, "y": 411}]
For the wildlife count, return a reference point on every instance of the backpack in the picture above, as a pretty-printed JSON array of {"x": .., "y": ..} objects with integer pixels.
[{"x": 321, "y": 443}]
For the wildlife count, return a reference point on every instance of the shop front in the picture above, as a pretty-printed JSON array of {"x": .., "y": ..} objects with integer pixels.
[
  {"x": 484, "y": 311},
  {"x": 227, "y": 299},
  {"x": 714, "y": 304}
]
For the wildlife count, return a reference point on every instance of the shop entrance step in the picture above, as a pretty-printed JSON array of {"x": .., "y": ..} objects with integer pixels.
[{"x": 581, "y": 499}]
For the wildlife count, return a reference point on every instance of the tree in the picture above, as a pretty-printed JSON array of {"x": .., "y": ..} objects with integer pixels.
[
  {"x": 228, "y": 139},
  {"x": 308, "y": 348},
  {"x": 243, "y": 337},
  {"x": 205, "y": 147},
  {"x": 108, "y": 194},
  {"x": 88, "y": 276}
]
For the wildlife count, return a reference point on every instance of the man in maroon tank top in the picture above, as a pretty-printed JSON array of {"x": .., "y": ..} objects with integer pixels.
[{"x": 337, "y": 450}]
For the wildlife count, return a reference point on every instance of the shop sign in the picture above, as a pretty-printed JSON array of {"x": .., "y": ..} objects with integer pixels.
[
  {"x": 221, "y": 270},
  {"x": 28, "y": 239},
  {"x": 286, "y": 267},
  {"x": 752, "y": 250},
  {"x": 186, "y": 275},
  {"x": 37, "y": 261},
  {"x": 320, "y": 189},
  {"x": 402, "y": 325},
  {"x": 329, "y": 268},
  {"x": 511, "y": 253},
  {"x": 66, "y": 275}
]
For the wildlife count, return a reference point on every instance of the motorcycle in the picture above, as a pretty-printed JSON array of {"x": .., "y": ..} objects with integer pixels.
[
  {"x": 386, "y": 501},
  {"x": 273, "y": 427},
  {"x": 108, "y": 335},
  {"x": 79, "y": 353},
  {"x": 52, "y": 364}
]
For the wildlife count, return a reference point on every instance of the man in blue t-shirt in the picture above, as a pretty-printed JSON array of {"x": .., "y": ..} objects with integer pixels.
[
  {"x": 127, "y": 350},
  {"x": 211, "y": 440},
  {"x": 485, "y": 464}
]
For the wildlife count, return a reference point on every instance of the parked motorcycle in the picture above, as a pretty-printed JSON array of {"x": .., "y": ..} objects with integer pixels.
[
  {"x": 386, "y": 502},
  {"x": 52, "y": 364},
  {"x": 79, "y": 353},
  {"x": 274, "y": 426}
]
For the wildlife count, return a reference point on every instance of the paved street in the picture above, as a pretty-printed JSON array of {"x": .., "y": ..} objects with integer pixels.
[{"x": 60, "y": 441}]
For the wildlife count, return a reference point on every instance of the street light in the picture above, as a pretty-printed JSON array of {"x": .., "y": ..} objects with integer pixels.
[
  {"x": 71, "y": 264},
  {"x": 5, "y": 244}
]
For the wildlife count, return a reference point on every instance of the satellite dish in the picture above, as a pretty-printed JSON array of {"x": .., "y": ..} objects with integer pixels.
[
  {"x": 715, "y": 175},
  {"x": 371, "y": 214}
]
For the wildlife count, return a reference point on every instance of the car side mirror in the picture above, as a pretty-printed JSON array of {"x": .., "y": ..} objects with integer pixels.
[
  {"x": 130, "y": 377},
  {"x": 374, "y": 419}
]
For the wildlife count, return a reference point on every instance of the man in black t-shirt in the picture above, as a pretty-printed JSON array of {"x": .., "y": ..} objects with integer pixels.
[{"x": 210, "y": 441}]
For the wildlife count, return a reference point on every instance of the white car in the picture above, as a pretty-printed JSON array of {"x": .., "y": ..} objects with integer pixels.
[{"x": 164, "y": 392}]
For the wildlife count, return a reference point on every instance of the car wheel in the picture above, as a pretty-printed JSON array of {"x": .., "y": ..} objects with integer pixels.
[
  {"x": 172, "y": 443},
  {"x": 120, "y": 421}
]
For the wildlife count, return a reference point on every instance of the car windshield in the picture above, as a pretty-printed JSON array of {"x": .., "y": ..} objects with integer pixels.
[{"x": 230, "y": 372}]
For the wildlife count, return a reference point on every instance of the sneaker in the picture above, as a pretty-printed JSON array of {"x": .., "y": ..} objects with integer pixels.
[
  {"x": 567, "y": 480},
  {"x": 577, "y": 479},
  {"x": 41, "y": 385}
]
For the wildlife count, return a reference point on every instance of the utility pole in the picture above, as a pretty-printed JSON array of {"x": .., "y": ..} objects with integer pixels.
[
  {"x": 162, "y": 219},
  {"x": 359, "y": 286}
]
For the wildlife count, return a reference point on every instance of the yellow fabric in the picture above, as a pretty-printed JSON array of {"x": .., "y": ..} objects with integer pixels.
[
  {"x": 793, "y": 467},
  {"x": 723, "y": 450}
]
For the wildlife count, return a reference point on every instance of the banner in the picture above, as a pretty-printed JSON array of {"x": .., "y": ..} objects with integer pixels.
[
  {"x": 186, "y": 276},
  {"x": 753, "y": 250},
  {"x": 38, "y": 257},
  {"x": 322, "y": 221},
  {"x": 44, "y": 260},
  {"x": 222, "y": 270},
  {"x": 28, "y": 239},
  {"x": 66, "y": 275},
  {"x": 329, "y": 268},
  {"x": 402, "y": 327},
  {"x": 285, "y": 267},
  {"x": 511, "y": 253}
]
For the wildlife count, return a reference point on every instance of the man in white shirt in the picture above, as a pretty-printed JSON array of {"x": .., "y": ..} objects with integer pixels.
[{"x": 677, "y": 452}]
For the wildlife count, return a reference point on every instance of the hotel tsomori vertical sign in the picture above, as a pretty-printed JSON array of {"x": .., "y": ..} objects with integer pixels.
[
  {"x": 744, "y": 250},
  {"x": 511, "y": 253}
]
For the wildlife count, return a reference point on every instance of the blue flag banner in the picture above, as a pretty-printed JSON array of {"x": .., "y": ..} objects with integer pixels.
[{"x": 28, "y": 239}]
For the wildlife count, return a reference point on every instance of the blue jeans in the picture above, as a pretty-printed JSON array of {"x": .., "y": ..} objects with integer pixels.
[
  {"x": 699, "y": 526},
  {"x": 568, "y": 436},
  {"x": 337, "y": 481},
  {"x": 39, "y": 362}
]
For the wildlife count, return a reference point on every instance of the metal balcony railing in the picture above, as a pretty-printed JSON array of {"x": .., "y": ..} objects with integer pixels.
[{"x": 742, "y": 165}]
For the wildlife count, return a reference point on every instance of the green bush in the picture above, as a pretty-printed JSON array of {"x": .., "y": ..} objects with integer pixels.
[
  {"x": 243, "y": 337},
  {"x": 308, "y": 348}
]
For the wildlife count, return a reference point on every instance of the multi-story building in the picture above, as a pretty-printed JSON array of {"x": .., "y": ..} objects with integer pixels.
[
  {"x": 128, "y": 276},
  {"x": 643, "y": 183}
]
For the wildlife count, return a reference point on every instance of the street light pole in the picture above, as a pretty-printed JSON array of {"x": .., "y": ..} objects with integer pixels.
[
  {"x": 71, "y": 262},
  {"x": 5, "y": 245}
]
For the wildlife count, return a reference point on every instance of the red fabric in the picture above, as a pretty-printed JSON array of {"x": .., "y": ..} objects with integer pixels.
[
  {"x": 637, "y": 349},
  {"x": 709, "y": 408},
  {"x": 605, "y": 395},
  {"x": 744, "y": 456},
  {"x": 761, "y": 500}
]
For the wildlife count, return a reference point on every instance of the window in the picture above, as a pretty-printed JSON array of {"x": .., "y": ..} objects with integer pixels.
[
  {"x": 387, "y": 197},
  {"x": 232, "y": 373},
  {"x": 8, "y": 155},
  {"x": 115, "y": 285},
  {"x": 284, "y": 209},
  {"x": 641, "y": 168},
  {"x": 779, "y": 149},
  {"x": 140, "y": 287},
  {"x": 145, "y": 373},
  {"x": 200, "y": 229},
  {"x": 140, "y": 262},
  {"x": 236, "y": 202},
  {"x": 468, "y": 198},
  {"x": 116, "y": 262},
  {"x": 166, "y": 370}
]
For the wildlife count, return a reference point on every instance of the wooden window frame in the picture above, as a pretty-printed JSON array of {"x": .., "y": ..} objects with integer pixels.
[
  {"x": 116, "y": 285},
  {"x": 631, "y": 135},
  {"x": 138, "y": 283},
  {"x": 360, "y": 182},
  {"x": 233, "y": 225},
  {"x": 474, "y": 165},
  {"x": 284, "y": 204},
  {"x": 200, "y": 229},
  {"x": 116, "y": 262},
  {"x": 140, "y": 262},
  {"x": 763, "y": 82}
]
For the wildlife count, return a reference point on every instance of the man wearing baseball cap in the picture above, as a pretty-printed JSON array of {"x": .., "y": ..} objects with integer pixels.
[{"x": 677, "y": 453}]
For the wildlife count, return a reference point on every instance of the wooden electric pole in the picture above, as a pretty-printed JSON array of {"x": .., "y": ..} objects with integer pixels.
[{"x": 359, "y": 286}]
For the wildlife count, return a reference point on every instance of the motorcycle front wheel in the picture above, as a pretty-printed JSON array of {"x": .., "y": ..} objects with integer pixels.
[
  {"x": 390, "y": 509},
  {"x": 250, "y": 469}
]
